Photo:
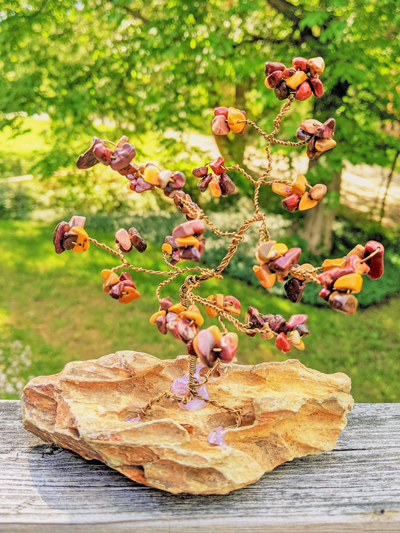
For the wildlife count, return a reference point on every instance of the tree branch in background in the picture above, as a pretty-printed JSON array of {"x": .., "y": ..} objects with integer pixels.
[
  {"x": 136, "y": 14},
  {"x": 257, "y": 38},
  {"x": 286, "y": 9},
  {"x": 36, "y": 13}
]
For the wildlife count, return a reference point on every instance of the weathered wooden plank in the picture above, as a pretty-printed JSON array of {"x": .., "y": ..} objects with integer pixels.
[{"x": 354, "y": 488}]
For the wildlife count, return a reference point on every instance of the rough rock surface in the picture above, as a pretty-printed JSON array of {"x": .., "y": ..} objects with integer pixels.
[{"x": 90, "y": 407}]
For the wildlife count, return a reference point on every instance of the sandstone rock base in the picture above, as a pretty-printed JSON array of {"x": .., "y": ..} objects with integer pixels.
[{"x": 90, "y": 407}]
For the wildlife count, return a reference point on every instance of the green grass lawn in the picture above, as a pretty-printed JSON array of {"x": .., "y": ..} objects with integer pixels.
[{"x": 55, "y": 304}]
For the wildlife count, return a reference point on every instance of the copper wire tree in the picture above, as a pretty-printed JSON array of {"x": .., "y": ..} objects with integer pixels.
[{"x": 339, "y": 278}]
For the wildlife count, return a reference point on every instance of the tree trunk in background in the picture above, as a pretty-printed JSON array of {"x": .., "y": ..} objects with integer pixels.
[
  {"x": 318, "y": 222},
  {"x": 389, "y": 181}
]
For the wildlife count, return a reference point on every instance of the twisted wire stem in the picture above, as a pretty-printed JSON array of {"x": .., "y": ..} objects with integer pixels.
[
  {"x": 197, "y": 275},
  {"x": 242, "y": 171},
  {"x": 192, "y": 387}
]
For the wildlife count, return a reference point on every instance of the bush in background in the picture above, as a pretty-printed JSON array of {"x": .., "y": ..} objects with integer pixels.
[{"x": 108, "y": 208}]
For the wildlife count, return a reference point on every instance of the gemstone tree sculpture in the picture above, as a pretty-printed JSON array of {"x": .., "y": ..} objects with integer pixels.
[{"x": 339, "y": 279}]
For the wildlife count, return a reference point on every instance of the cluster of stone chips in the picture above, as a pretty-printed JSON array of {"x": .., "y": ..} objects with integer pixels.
[
  {"x": 121, "y": 287},
  {"x": 183, "y": 324},
  {"x": 216, "y": 181},
  {"x": 130, "y": 239},
  {"x": 275, "y": 260},
  {"x": 183, "y": 207},
  {"x": 287, "y": 333},
  {"x": 278, "y": 263},
  {"x": 302, "y": 79},
  {"x": 296, "y": 195},
  {"x": 150, "y": 176},
  {"x": 226, "y": 120},
  {"x": 119, "y": 157},
  {"x": 211, "y": 344},
  {"x": 170, "y": 318},
  {"x": 230, "y": 304},
  {"x": 71, "y": 236},
  {"x": 342, "y": 278},
  {"x": 186, "y": 243},
  {"x": 318, "y": 135}
]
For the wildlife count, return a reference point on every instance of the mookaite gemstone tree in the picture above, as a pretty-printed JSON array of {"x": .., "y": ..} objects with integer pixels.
[{"x": 339, "y": 279}]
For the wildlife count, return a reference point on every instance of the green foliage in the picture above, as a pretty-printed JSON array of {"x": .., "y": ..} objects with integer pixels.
[
  {"x": 107, "y": 208},
  {"x": 156, "y": 70},
  {"x": 346, "y": 235},
  {"x": 66, "y": 194},
  {"x": 56, "y": 306},
  {"x": 159, "y": 65},
  {"x": 156, "y": 67},
  {"x": 16, "y": 202}
]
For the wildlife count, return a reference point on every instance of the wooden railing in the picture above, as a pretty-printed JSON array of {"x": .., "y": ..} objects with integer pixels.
[{"x": 355, "y": 488}]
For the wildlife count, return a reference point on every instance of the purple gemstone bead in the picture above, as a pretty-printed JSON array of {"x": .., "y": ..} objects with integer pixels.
[
  {"x": 122, "y": 156},
  {"x": 165, "y": 304},
  {"x": 161, "y": 324},
  {"x": 190, "y": 254},
  {"x": 303, "y": 329},
  {"x": 203, "y": 345},
  {"x": 303, "y": 135},
  {"x": 286, "y": 261},
  {"x": 329, "y": 277},
  {"x": 253, "y": 317},
  {"x": 142, "y": 186},
  {"x": 294, "y": 290},
  {"x": 179, "y": 387},
  {"x": 295, "y": 320},
  {"x": 178, "y": 180},
  {"x": 172, "y": 242},
  {"x": 203, "y": 184},
  {"x": 226, "y": 184},
  {"x": 216, "y": 437},
  {"x": 116, "y": 290},
  {"x": 199, "y": 172},
  {"x": 278, "y": 324},
  {"x": 186, "y": 331}
]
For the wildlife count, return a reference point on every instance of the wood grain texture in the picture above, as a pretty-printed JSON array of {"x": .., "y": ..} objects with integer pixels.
[{"x": 355, "y": 488}]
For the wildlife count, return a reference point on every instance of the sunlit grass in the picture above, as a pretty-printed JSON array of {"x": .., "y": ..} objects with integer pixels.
[
  {"x": 55, "y": 305},
  {"x": 31, "y": 140}
]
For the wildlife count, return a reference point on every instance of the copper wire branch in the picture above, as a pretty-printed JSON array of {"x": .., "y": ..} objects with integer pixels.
[{"x": 197, "y": 275}]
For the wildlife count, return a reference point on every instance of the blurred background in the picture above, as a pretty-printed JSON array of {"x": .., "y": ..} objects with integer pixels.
[{"x": 154, "y": 70}]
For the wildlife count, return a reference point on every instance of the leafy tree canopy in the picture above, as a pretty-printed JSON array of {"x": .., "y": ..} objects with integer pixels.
[{"x": 165, "y": 64}]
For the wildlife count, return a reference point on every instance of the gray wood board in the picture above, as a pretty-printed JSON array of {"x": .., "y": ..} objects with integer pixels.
[{"x": 354, "y": 488}]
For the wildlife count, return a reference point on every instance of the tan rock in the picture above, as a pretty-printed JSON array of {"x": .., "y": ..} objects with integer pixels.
[{"x": 287, "y": 411}]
